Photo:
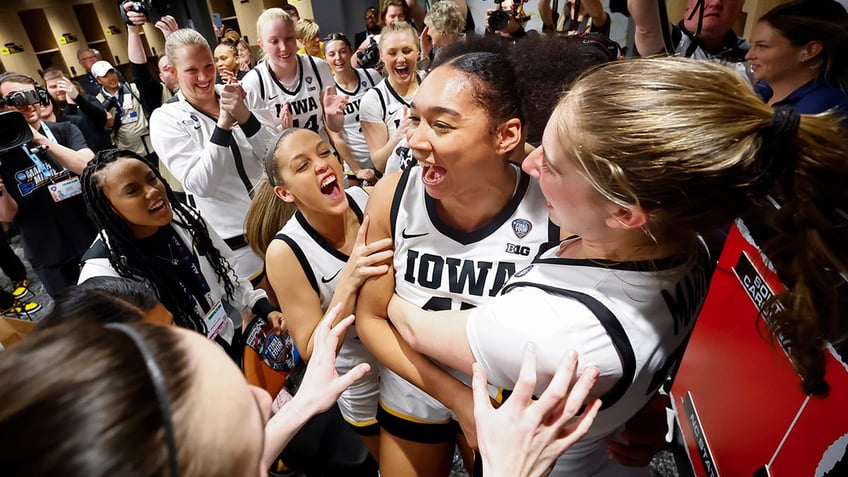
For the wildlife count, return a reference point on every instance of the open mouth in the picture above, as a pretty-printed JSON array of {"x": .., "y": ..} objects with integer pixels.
[
  {"x": 159, "y": 206},
  {"x": 330, "y": 187},
  {"x": 433, "y": 175},
  {"x": 402, "y": 71}
]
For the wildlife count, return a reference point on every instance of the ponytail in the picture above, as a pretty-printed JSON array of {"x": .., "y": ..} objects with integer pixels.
[{"x": 265, "y": 217}]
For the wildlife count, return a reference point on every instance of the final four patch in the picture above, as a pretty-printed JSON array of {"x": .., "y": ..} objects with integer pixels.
[{"x": 521, "y": 227}]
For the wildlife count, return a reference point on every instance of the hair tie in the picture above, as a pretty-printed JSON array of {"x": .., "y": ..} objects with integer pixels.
[
  {"x": 158, "y": 386},
  {"x": 777, "y": 148},
  {"x": 784, "y": 121}
]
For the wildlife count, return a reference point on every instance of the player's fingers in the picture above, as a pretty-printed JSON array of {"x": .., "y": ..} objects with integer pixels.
[
  {"x": 557, "y": 389},
  {"x": 526, "y": 383},
  {"x": 480, "y": 391}
]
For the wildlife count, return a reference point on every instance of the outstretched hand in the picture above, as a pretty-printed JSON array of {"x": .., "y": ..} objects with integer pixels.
[
  {"x": 539, "y": 431},
  {"x": 322, "y": 385},
  {"x": 333, "y": 102}
]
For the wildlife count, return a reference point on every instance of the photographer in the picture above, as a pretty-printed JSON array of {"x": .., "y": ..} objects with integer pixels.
[
  {"x": 367, "y": 55},
  {"x": 508, "y": 20},
  {"x": 80, "y": 107},
  {"x": 40, "y": 186}
]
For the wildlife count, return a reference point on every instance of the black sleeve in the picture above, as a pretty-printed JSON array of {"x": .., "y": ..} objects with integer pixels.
[
  {"x": 91, "y": 107},
  {"x": 149, "y": 88},
  {"x": 68, "y": 135}
]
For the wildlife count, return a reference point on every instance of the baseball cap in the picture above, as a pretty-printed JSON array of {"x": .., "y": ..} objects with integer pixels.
[{"x": 101, "y": 68}]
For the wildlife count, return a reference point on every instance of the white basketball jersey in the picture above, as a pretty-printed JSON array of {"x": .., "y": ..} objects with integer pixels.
[
  {"x": 321, "y": 263},
  {"x": 630, "y": 319},
  {"x": 266, "y": 95},
  {"x": 352, "y": 127},
  {"x": 439, "y": 268}
]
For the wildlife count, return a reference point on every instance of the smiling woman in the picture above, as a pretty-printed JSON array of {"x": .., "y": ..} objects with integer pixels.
[
  {"x": 798, "y": 55},
  {"x": 385, "y": 107},
  {"x": 212, "y": 144},
  {"x": 183, "y": 261}
]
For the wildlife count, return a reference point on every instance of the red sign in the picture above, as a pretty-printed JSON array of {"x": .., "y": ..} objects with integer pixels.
[{"x": 737, "y": 397}]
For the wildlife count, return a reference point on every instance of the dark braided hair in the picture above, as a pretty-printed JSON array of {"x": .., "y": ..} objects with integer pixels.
[{"x": 130, "y": 261}]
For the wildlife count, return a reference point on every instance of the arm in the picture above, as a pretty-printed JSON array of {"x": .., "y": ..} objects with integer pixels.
[
  {"x": 416, "y": 12},
  {"x": 596, "y": 10},
  {"x": 539, "y": 430},
  {"x": 73, "y": 158},
  {"x": 376, "y": 132},
  {"x": 8, "y": 205},
  {"x": 546, "y": 14},
  {"x": 263, "y": 111},
  {"x": 193, "y": 163},
  {"x": 438, "y": 334},
  {"x": 150, "y": 88},
  {"x": 301, "y": 301},
  {"x": 92, "y": 108},
  {"x": 646, "y": 17},
  {"x": 347, "y": 156},
  {"x": 334, "y": 105},
  {"x": 382, "y": 339},
  {"x": 320, "y": 388}
]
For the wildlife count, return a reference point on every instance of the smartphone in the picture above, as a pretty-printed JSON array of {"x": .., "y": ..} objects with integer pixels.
[{"x": 216, "y": 19}]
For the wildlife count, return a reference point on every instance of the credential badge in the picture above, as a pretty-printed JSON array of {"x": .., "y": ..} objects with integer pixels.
[{"x": 521, "y": 227}]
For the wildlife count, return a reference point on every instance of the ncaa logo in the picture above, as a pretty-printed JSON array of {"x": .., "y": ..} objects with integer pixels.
[{"x": 521, "y": 227}]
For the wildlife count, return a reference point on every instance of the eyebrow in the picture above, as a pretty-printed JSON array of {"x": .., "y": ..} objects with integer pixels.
[{"x": 439, "y": 110}]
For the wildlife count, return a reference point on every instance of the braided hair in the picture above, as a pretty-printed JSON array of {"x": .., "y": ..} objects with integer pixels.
[{"x": 123, "y": 248}]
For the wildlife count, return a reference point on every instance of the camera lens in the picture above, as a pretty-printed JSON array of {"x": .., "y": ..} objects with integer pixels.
[{"x": 498, "y": 20}]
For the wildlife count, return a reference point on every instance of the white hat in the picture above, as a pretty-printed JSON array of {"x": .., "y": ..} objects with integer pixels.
[{"x": 101, "y": 68}]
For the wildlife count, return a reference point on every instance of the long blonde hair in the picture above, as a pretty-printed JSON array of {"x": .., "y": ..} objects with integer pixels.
[{"x": 691, "y": 143}]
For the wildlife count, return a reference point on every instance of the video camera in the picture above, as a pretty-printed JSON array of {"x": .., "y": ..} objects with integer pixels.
[
  {"x": 370, "y": 56},
  {"x": 20, "y": 99},
  {"x": 154, "y": 10},
  {"x": 14, "y": 130},
  {"x": 499, "y": 19}
]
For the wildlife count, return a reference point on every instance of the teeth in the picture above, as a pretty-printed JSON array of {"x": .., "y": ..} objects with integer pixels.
[
  {"x": 158, "y": 204},
  {"x": 328, "y": 181}
]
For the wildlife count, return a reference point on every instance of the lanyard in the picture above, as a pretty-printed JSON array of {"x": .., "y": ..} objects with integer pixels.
[
  {"x": 189, "y": 260},
  {"x": 46, "y": 170}
]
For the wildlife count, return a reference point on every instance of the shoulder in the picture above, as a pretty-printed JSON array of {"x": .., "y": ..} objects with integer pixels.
[{"x": 383, "y": 193}]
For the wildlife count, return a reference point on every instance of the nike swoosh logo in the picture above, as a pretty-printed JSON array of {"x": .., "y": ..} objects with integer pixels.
[
  {"x": 271, "y": 98},
  {"x": 409, "y": 236},
  {"x": 328, "y": 280}
]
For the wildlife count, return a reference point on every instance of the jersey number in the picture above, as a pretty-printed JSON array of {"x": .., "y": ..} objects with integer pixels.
[{"x": 311, "y": 123}]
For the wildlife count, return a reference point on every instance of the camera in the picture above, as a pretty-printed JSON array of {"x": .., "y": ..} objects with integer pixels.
[
  {"x": 499, "y": 19},
  {"x": 20, "y": 99},
  {"x": 154, "y": 10},
  {"x": 370, "y": 57},
  {"x": 14, "y": 130}
]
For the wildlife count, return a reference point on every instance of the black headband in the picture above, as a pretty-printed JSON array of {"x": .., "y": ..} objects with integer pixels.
[{"x": 159, "y": 387}]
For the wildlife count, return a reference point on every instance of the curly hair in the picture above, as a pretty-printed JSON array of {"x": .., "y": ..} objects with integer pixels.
[{"x": 123, "y": 248}]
